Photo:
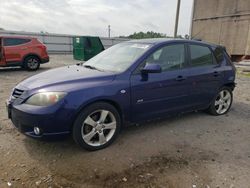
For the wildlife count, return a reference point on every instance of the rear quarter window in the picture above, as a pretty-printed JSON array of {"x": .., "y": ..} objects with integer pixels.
[
  {"x": 15, "y": 41},
  {"x": 219, "y": 55}
]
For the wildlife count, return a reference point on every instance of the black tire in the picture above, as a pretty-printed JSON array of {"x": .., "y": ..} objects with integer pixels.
[
  {"x": 213, "y": 109},
  {"x": 32, "y": 63},
  {"x": 80, "y": 124}
]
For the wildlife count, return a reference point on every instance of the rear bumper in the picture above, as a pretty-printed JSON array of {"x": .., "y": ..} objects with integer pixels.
[
  {"x": 50, "y": 124},
  {"x": 44, "y": 60}
]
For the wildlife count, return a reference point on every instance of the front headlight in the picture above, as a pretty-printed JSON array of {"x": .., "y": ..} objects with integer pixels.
[{"x": 45, "y": 98}]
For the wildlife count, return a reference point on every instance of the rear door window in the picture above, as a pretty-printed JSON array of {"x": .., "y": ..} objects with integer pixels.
[
  {"x": 14, "y": 41},
  {"x": 200, "y": 55}
]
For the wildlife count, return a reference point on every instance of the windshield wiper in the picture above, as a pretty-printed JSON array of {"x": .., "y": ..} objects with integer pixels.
[
  {"x": 92, "y": 67},
  {"x": 87, "y": 66}
]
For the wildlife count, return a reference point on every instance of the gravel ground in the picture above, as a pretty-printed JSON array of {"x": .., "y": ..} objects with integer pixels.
[{"x": 192, "y": 150}]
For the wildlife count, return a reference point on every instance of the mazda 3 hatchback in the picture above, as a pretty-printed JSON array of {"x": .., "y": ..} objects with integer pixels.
[{"x": 131, "y": 82}]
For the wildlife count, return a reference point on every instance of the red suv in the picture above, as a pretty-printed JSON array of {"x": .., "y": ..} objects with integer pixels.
[{"x": 26, "y": 52}]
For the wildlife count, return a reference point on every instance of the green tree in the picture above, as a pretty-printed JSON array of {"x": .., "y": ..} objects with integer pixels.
[
  {"x": 150, "y": 34},
  {"x": 144, "y": 35}
]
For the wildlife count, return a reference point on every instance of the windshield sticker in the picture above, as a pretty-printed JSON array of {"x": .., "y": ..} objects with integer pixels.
[{"x": 142, "y": 46}]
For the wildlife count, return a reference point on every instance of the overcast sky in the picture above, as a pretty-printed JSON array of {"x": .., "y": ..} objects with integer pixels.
[{"x": 92, "y": 17}]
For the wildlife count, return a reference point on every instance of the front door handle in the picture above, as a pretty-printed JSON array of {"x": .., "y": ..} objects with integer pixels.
[{"x": 180, "y": 78}]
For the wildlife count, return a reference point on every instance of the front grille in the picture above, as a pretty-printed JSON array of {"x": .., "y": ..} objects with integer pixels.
[{"x": 17, "y": 93}]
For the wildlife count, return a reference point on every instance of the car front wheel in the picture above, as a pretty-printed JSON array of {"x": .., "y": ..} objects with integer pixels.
[
  {"x": 97, "y": 126},
  {"x": 222, "y": 102}
]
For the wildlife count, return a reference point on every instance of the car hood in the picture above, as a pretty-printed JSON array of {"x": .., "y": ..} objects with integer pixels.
[{"x": 65, "y": 75}]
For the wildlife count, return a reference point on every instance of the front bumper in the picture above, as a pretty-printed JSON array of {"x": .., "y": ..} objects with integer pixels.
[{"x": 50, "y": 124}]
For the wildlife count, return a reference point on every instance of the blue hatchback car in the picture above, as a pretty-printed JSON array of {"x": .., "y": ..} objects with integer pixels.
[{"x": 130, "y": 82}]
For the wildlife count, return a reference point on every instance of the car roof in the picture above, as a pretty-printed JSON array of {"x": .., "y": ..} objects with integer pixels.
[
  {"x": 16, "y": 37},
  {"x": 168, "y": 40}
]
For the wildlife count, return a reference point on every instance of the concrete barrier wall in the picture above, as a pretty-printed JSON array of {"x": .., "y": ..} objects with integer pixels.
[{"x": 59, "y": 43}]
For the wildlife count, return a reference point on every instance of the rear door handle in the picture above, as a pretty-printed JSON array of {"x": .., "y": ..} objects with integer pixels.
[{"x": 180, "y": 78}]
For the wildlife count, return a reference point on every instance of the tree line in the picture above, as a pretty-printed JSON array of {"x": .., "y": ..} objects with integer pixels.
[{"x": 150, "y": 34}]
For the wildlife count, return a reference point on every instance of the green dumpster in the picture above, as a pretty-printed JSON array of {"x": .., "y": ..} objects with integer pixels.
[{"x": 86, "y": 47}]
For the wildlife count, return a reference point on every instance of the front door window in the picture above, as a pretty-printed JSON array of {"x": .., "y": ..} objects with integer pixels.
[{"x": 171, "y": 57}]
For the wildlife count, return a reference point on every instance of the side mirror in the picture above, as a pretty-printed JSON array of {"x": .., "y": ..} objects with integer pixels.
[{"x": 151, "y": 68}]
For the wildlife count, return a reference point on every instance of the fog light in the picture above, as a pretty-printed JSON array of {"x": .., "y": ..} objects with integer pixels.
[{"x": 37, "y": 130}]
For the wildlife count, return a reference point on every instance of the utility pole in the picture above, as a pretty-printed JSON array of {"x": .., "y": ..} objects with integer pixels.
[
  {"x": 191, "y": 21},
  {"x": 109, "y": 31},
  {"x": 177, "y": 18}
]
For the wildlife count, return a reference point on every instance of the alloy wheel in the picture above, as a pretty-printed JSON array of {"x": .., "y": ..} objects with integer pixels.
[
  {"x": 98, "y": 128},
  {"x": 33, "y": 63},
  {"x": 223, "y": 101}
]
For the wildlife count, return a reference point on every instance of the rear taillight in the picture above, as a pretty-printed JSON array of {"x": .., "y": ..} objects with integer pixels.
[{"x": 44, "y": 48}]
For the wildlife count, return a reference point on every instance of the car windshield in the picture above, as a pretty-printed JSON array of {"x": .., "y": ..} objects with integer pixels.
[{"x": 117, "y": 58}]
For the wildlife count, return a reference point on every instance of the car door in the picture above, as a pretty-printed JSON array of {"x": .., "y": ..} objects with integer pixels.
[
  {"x": 13, "y": 49},
  {"x": 204, "y": 73},
  {"x": 160, "y": 93}
]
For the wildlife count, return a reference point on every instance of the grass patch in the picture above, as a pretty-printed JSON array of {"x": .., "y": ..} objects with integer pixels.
[{"x": 241, "y": 73}]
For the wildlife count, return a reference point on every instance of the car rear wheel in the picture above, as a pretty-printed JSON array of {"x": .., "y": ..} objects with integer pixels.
[
  {"x": 222, "y": 102},
  {"x": 97, "y": 126},
  {"x": 32, "y": 63}
]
